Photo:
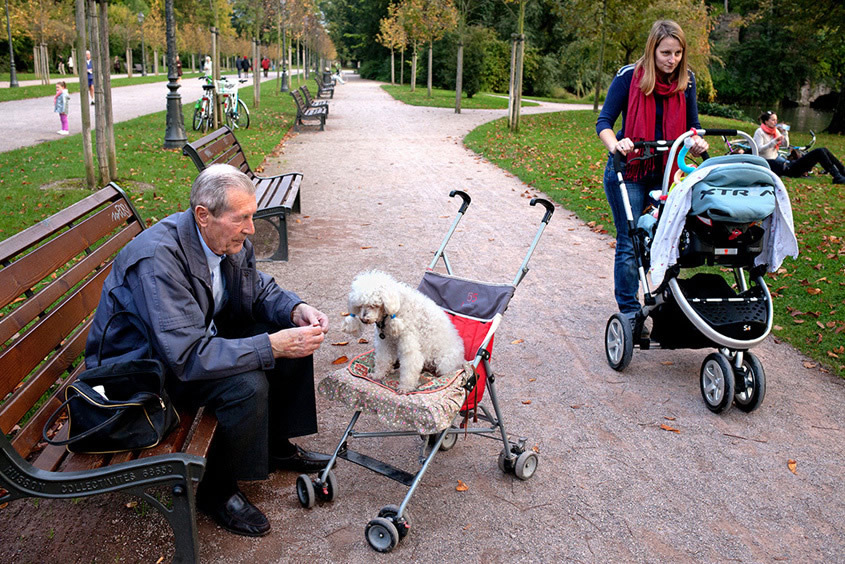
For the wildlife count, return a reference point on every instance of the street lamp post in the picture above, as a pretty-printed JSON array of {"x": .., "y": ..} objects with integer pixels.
[
  {"x": 174, "y": 135},
  {"x": 285, "y": 87},
  {"x": 143, "y": 46},
  {"x": 13, "y": 78}
]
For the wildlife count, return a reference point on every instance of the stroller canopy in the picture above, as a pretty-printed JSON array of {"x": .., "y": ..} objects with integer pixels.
[{"x": 465, "y": 297}]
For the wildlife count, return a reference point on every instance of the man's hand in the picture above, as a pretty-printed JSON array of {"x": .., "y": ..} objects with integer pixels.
[
  {"x": 303, "y": 314},
  {"x": 297, "y": 342},
  {"x": 699, "y": 146}
]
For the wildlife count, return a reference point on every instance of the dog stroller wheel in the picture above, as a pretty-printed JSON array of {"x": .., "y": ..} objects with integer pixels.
[
  {"x": 619, "y": 341},
  {"x": 448, "y": 443},
  {"x": 504, "y": 464},
  {"x": 750, "y": 383},
  {"x": 328, "y": 490},
  {"x": 717, "y": 382},
  {"x": 402, "y": 525},
  {"x": 526, "y": 465},
  {"x": 382, "y": 535},
  {"x": 305, "y": 491}
]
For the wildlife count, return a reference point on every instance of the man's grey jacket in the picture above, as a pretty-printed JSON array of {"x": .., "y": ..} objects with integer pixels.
[{"x": 162, "y": 275}]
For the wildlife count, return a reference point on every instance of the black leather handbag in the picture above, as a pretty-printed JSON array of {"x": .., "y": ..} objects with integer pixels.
[{"x": 117, "y": 407}]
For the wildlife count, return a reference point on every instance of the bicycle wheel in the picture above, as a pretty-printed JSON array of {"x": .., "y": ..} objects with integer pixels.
[
  {"x": 243, "y": 114},
  {"x": 208, "y": 115},
  {"x": 198, "y": 117}
]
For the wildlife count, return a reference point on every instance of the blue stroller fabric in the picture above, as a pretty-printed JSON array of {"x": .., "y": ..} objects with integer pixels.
[{"x": 741, "y": 193}]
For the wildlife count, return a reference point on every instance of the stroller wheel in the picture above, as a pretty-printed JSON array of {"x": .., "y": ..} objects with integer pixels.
[
  {"x": 526, "y": 465},
  {"x": 382, "y": 534},
  {"x": 717, "y": 382},
  {"x": 504, "y": 464},
  {"x": 448, "y": 443},
  {"x": 327, "y": 491},
  {"x": 750, "y": 384},
  {"x": 402, "y": 525},
  {"x": 619, "y": 341},
  {"x": 305, "y": 491}
]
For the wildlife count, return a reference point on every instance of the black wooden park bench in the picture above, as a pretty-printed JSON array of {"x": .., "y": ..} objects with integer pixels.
[
  {"x": 304, "y": 112},
  {"x": 323, "y": 88},
  {"x": 277, "y": 196},
  {"x": 311, "y": 102},
  {"x": 50, "y": 282}
]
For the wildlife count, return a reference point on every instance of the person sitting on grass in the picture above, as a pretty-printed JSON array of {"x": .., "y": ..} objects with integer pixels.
[{"x": 770, "y": 136}]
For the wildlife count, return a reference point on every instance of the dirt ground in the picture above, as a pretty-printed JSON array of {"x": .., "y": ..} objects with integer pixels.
[{"x": 613, "y": 483}]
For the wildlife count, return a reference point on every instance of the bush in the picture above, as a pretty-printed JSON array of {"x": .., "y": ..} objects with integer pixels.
[
  {"x": 722, "y": 110},
  {"x": 547, "y": 79}
]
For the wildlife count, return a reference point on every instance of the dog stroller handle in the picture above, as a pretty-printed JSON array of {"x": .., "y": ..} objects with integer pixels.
[
  {"x": 550, "y": 209},
  {"x": 441, "y": 252}
]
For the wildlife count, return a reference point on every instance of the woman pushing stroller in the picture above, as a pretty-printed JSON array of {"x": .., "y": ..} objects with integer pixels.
[
  {"x": 770, "y": 136},
  {"x": 656, "y": 97}
]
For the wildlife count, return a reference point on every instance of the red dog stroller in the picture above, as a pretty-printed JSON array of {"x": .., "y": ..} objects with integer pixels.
[{"x": 439, "y": 410}]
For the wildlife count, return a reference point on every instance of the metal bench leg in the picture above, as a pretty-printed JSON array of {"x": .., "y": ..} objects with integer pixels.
[
  {"x": 281, "y": 226},
  {"x": 182, "y": 518}
]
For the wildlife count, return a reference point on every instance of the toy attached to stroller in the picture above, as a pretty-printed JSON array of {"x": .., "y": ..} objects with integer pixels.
[
  {"x": 731, "y": 211},
  {"x": 437, "y": 411}
]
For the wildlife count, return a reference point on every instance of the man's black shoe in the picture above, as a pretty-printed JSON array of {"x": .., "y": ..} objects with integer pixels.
[
  {"x": 302, "y": 461},
  {"x": 237, "y": 515}
]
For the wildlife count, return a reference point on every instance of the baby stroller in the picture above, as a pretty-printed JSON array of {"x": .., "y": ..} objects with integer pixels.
[
  {"x": 439, "y": 413},
  {"x": 733, "y": 212}
]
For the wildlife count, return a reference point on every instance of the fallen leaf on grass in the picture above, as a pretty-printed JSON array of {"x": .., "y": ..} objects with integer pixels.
[
  {"x": 792, "y": 465},
  {"x": 461, "y": 487},
  {"x": 340, "y": 344},
  {"x": 340, "y": 360},
  {"x": 666, "y": 427},
  {"x": 517, "y": 341},
  {"x": 808, "y": 364},
  {"x": 814, "y": 291}
]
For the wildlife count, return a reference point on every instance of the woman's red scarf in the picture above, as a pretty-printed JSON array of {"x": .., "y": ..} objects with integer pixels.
[
  {"x": 771, "y": 132},
  {"x": 642, "y": 116}
]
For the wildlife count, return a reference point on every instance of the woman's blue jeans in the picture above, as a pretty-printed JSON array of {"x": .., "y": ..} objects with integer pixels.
[{"x": 625, "y": 277}]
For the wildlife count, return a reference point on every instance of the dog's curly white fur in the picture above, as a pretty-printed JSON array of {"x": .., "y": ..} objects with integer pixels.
[{"x": 416, "y": 332}]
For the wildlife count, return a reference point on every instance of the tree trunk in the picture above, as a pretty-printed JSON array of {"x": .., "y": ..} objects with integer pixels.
[
  {"x": 837, "y": 123},
  {"x": 414, "y": 70},
  {"x": 430, "y": 49},
  {"x": 511, "y": 82},
  {"x": 106, "y": 84},
  {"x": 601, "y": 57},
  {"x": 402, "y": 68},
  {"x": 459, "y": 77},
  {"x": 392, "y": 68},
  {"x": 85, "y": 109},
  {"x": 256, "y": 74},
  {"x": 99, "y": 104},
  {"x": 517, "y": 99},
  {"x": 155, "y": 62},
  {"x": 128, "y": 61}
]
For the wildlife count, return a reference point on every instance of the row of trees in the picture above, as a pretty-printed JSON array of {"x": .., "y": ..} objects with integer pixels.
[{"x": 742, "y": 51}]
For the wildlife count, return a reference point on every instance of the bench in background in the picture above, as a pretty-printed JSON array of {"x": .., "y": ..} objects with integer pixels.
[
  {"x": 304, "y": 112},
  {"x": 50, "y": 283},
  {"x": 277, "y": 196}
]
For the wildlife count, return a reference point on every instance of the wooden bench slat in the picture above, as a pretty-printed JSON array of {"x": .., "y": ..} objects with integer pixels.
[
  {"x": 37, "y": 304},
  {"x": 30, "y": 350},
  {"x": 52, "y": 456},
  {"x": 175, "y": 440},
  {"x": 16, "y": 243},
  {"x": 203, "y": 432},
  {"x": 28, "y": 394}
]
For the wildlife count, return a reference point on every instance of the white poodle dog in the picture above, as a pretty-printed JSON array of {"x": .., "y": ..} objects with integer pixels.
[{"x": 411, "y": 328}]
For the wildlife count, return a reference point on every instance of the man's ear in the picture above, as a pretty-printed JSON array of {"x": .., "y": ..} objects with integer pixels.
[{"x": 201, "y": 215}]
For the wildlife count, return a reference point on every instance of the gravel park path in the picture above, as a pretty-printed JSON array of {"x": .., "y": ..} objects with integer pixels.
[{"x": 632, "y": 467}]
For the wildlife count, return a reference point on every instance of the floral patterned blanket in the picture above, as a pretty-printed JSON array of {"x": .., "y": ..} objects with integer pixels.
[{"x": 427, "y": 410}]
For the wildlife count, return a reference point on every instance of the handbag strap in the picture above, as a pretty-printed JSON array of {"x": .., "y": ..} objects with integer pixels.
[
  {"x": 92, "y": 430},
  {"x": 138, "y": 322}
]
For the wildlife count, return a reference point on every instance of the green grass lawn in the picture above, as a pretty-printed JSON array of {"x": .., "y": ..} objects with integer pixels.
[
  {"x": 446, "y": 98},
  {"x": 561, "y": 155},
  {"x": 157, "y": 179}
]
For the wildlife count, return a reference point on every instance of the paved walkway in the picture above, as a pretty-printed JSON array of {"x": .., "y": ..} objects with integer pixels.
[
  {"x": 611, "y": 486},
  {"x": 32, "y": 121}
]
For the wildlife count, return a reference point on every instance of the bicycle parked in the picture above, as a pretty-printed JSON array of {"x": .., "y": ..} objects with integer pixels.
[
  {"x": 204, "y": 108},
  {"x": 234, "y": 109}
]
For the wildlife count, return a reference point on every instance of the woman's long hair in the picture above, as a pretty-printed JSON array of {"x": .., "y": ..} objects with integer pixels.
[{"x": 660, "y": 30}]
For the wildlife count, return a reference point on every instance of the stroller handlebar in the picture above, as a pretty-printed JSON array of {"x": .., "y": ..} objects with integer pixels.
[
  {"x": 464, "y": 196},
  {"x": 550, "y": 208}
]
